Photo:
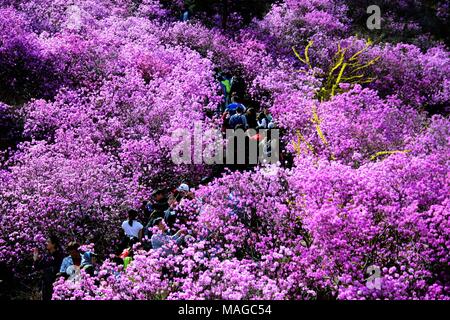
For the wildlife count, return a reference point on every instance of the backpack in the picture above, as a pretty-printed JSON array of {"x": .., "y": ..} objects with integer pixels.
[{"x": 236, "y": 120}]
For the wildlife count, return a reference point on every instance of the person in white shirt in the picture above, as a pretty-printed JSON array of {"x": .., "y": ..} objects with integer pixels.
[{"x": 132, "y": 227}]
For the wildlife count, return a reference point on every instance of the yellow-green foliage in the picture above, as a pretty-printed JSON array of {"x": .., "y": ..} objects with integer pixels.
[
  {"x": 298, "y": 144},
  {"x": 344, "y": 69},
  {"x": 384, "y": 153},
  {"x": 305, "y": 59},
  {"x": 315, "y": 120}
]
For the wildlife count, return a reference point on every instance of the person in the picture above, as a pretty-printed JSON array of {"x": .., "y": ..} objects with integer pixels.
[
  {"x": 190, "y": 195},
  {"x": 160, "y": 203},
  {"x": 90, "y": 263},
  {"x": 145, "y": 209},
  {"x": 233, "y": 106},
  {"x": 238, "y": 119},
  {"x": 163, "y": 237},
  {"x": 186, "y": 15},
  {"x": 263, "y": 121},
  {"x": 266, "y": 146},
  {"x": 250, "y": 116},
  {"x": 127, "y": 257},
  {"x": 158, "y": 210},
  {"x": 72, "y": 264},
  {"x": 170, "y": 215},
  {"x": 268, "y": 115},
  {"x": 182, "y": 190},
  {"x": 225, "y": 122},
  {"x": 238, "y": 85},
  {"x": 132, "y": 227},
  {"x": 225, "y": 83},
  {"x": 49, "y": 265}
]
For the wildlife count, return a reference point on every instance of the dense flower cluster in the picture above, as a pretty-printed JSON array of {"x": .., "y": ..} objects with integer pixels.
[
  {"x": 102, "y": 144},
  {"x": 420, "y": 79},
  {"x": 310, "y": 232},
  {"x": 91, "y": 92}
]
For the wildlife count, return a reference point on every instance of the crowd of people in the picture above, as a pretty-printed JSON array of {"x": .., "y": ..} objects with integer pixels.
[
  {"x": 237, "y": 116},
  {"x": 255, "y": 121},
  {"x": 157, "y": 224}
]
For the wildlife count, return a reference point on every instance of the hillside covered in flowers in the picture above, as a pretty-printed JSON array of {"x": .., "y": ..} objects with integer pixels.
[{"x": 358, "y": 207}]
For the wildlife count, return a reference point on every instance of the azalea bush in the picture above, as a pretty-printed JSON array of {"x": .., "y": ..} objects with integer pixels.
[
  {"x": 306, "y": 233},
  {"x": 91, "y": 93}
]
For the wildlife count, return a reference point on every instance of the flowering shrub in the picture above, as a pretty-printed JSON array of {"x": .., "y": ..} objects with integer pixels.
[
  {"x": 26, "y": 72},
  {"x": 418, "y": 78},
  {"x": 292, "y": 22},
  {"x": 355, "y": 126},
  {"x": 307, "y": 233},
  {"x": 96, "y": 150}
]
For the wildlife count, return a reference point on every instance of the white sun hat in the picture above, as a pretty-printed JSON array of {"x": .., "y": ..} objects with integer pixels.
[{"x": 183, "y": 188}]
